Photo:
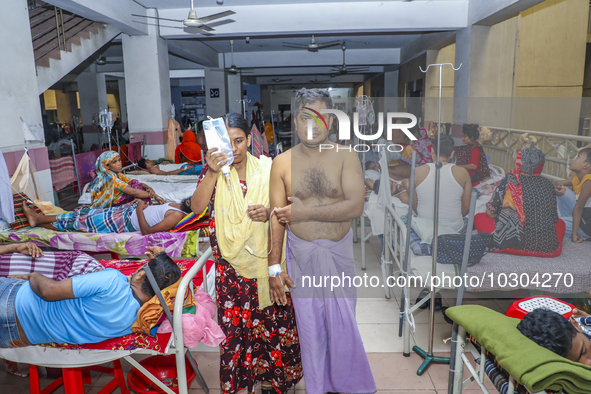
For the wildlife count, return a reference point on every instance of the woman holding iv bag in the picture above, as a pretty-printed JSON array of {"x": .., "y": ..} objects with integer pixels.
[{"x": 261, "y": 342}]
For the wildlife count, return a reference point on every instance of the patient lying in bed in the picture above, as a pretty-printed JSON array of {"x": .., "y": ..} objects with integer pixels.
[
  {"x": 564, "y": 337},
  {"x": 137, "y": 216},
  {"x": 170, "y": 169},
  {"x": 84, "y": 309}
]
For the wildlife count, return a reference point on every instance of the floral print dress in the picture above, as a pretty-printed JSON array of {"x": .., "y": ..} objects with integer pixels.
[{"x": 260, "y": 345}]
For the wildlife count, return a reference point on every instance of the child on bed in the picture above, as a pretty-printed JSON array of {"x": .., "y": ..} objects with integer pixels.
[
  {"x": 575, "y": 205},
  {"x": 84, "y": 309},
  {"x": 551, "y": 330}
]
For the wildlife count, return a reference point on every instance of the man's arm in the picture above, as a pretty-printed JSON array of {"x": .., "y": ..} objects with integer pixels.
[
  {"x": 277, "y": 199},
  {"x": 578, "y": 210},
  {"x": 466, "y": 182},
  {"x": 351, "y": 206},
  {"x": 27, "y": 248},
  {"x": 48, "y": 289}
]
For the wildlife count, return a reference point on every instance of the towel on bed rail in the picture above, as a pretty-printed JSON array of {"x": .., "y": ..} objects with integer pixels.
[{"x": 530, "y": 364}]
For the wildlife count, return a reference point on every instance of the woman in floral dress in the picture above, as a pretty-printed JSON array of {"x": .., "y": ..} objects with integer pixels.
[{"x": 261, "y": 342}]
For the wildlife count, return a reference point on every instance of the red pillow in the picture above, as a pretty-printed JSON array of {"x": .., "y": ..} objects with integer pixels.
[
  {"x": 20, "y": 220},
  {"x": 560, "y": 231}
]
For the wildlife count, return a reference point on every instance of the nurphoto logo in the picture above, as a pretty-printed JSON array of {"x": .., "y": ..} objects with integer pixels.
[{"x": 344, "y": 128}]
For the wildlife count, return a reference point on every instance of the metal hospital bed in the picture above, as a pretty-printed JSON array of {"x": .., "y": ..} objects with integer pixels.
[{"x": 71, "y": 359}]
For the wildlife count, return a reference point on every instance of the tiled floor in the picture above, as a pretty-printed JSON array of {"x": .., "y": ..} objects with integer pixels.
[{"x": 378, "y": 321}]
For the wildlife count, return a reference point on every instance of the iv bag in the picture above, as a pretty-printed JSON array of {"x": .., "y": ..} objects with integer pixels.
[{"x": 217, "y": 136}]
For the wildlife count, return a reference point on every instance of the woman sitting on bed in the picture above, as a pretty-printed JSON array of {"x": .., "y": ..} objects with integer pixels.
[
  {"x": 522, "y": 212},
  {"x": 471, "y": 156},
  {"x": 111, "y": 188},
  {"x": 136, "y": 216}
]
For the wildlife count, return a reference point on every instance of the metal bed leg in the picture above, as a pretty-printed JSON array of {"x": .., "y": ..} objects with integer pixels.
[
  {"x": 197, "y": 372},
  {"x": 153, "y": 378},
  {"x": 459, "y": 365}
]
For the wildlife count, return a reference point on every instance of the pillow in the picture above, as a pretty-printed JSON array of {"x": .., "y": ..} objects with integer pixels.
[{"x": 20, "y": 220}]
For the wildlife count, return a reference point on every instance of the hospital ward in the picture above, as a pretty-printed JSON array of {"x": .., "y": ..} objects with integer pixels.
[{"x": 273, "y": 197}]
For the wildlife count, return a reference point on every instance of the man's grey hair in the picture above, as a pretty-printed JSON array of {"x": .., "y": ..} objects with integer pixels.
[{"x": 308, "y": 96}]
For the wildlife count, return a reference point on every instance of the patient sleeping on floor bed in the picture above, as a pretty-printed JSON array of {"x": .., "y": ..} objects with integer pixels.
[{"x": 84, "y": 309}]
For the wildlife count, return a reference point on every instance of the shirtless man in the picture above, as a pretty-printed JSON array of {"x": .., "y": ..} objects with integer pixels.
[{"x": 326, "y": 191}]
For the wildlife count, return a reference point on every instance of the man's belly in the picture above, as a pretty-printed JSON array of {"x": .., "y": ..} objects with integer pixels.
[{"x": 311, "y": 230}]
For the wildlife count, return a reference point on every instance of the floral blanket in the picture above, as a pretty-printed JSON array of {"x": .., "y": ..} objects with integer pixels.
[{"x": 180, "y": 244}]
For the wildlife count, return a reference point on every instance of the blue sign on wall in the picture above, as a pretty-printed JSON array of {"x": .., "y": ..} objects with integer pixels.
[{"x": 214, "y": 92}]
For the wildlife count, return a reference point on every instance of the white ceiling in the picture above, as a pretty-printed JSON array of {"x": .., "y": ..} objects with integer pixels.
[
  {"x": 163, "y": 4},
  {"x": 260, "y": 44},
  {"x": 378, "y": 33}
]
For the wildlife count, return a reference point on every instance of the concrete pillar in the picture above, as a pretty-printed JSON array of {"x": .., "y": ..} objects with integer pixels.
[
  {"x": 216, "y": 98},
  {"x": 20, "y": 98},
  {"x": 122, "y": 100},
  {"x": 74, "y": 104},
  {"x": 92, "y": 90},
  {"x": 462, "y": 76},
  {"x": 391, "y": 91},
  {"x": 147, "y": 89},
  {"x": 234, "y": 93}
]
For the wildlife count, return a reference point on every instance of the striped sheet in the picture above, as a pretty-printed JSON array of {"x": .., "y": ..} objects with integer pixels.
[
  {"x": 62, "y": 172},
  {"x": 55, "y": 265}
]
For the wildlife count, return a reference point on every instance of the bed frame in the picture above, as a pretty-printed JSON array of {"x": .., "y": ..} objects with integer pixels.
[
  {"x": 462, "y": 345},
  {"x": 58, "y": 357}
]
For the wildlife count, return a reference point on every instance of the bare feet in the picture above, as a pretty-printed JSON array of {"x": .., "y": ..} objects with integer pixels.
[{"x": 30, "y": 214}]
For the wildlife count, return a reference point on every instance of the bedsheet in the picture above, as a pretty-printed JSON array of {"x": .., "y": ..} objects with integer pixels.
[
  {"x": 181, "y": 244},
  {"x": 574, "y": 260},
  {"x": 172, "y": 188}
]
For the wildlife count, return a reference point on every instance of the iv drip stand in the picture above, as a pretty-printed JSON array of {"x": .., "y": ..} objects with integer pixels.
[
  {"x": 243, "y": 107},
  {"x": 428, "y": 356}
]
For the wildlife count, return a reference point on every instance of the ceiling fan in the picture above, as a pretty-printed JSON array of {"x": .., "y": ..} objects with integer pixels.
[
  {"x": 313, "y": 46},
  {"x": 101, "y": 61},
  {"x": 233, "y": 69},
  {"x": 277, "y": 80},
  {"x": 315, "y": 80},
  {"x": 192, "y": 20},
  {"x": 344, "y": 69}
]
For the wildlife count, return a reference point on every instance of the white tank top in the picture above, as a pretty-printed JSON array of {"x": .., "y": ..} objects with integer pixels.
[
  {"x": 154, "y": 214},
  {"x": 450, "y": 198}
]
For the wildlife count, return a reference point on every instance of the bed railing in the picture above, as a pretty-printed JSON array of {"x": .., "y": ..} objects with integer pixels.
[
  {"x": 179, "y": 345},
  {"x": 560, "y": 149}
]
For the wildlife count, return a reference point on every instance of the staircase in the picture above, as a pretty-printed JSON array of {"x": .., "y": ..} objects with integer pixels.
[{"x": 63, "y": 40}]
